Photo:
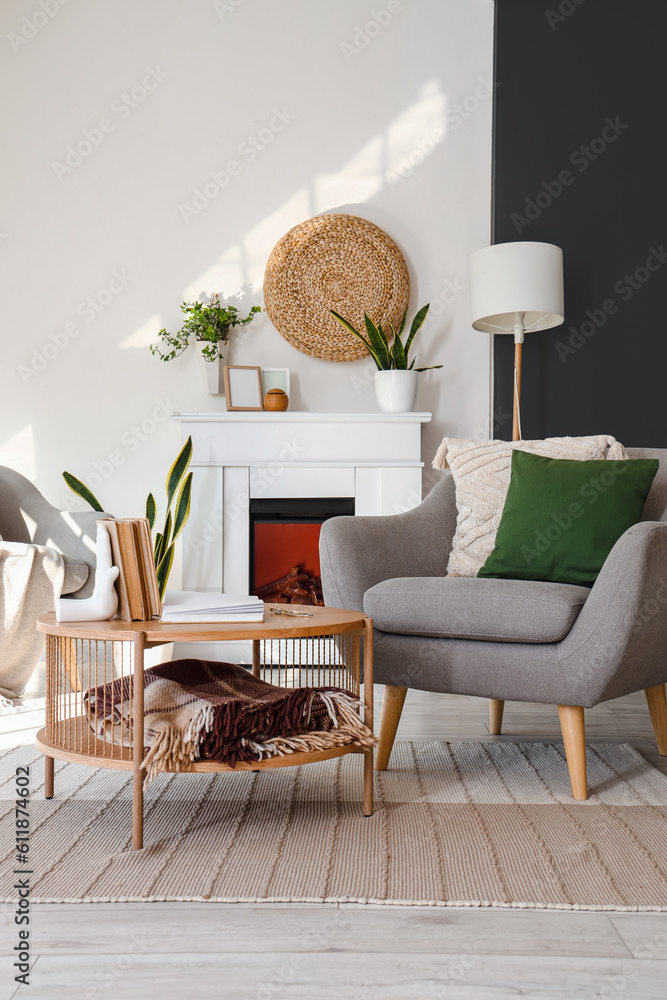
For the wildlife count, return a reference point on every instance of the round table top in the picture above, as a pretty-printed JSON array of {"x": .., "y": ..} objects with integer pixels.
[{"x": 323, "y": 621}]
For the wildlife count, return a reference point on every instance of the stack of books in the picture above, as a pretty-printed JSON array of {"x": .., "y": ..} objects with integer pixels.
[
  {"x": 132, "y": 551},
  {"x": 187, "y": 607}
]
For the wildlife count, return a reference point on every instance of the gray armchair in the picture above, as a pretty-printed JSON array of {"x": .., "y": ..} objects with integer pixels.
[{"x": 505, "y": 639}]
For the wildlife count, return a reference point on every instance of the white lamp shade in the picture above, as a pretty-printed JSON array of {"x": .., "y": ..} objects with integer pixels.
[{"x": 511, "y": 278}]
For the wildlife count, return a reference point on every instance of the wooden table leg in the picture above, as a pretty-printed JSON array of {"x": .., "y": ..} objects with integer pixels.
[
  {"x": 138, "y": 743},
  {"x": 48, "y": 777},
  {"x": 255, "y": 657},
  {"x": 368, "y": 714}
]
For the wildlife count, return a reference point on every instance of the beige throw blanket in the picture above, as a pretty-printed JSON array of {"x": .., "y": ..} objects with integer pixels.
[
  {"x": 31, "y": 578},
  {"x": 200, "y": 709}
]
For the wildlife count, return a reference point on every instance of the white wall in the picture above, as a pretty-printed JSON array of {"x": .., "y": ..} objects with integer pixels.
[{"x": 357, "y": 106}]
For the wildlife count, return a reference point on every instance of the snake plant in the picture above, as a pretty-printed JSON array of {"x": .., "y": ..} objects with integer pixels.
[
  {"x": 388, "y": 355},
  {"x": 179, "y": 487}
]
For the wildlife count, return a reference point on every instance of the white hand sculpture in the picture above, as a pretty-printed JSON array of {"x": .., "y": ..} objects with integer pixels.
[{"x": 103, "y": 602}]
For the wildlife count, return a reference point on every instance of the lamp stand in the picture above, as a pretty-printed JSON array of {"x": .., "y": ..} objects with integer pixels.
[
  {"x": 519, "y": 331},
  {"x": 497, "y": 707},
  {"x": 516, "y": 395}
]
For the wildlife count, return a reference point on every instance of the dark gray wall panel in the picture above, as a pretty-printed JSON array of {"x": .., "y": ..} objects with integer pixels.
[{"x": 579, "y": 150}]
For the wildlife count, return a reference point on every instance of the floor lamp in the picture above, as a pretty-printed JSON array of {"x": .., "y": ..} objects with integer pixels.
[{"x": 515, "y": 288}]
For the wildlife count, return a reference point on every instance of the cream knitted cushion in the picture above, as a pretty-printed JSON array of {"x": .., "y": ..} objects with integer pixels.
[{"x": 481, "y": 471}]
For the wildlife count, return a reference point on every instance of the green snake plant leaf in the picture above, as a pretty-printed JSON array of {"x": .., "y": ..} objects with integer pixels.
[
  {"x": 348, "y": 326},
  {"x": 429, "y": 368},
  {"x": 385, "y": 340},
  {"x": 398, "y": 351},
  {"x": 182, "y": 509},
  {"x": 164, "y": 569},
  {"x": 416, "y": 323},
  {"x": 412, "y": 364},
  {"x": 379, "y": 342},
  {"x": 166, "y": 531},
  {"x": 159, "y": 546},
  {"x": 151, "y": 510},
  {"x": 82, "y": 491},
  {"x": 177, "y": 471},
  {"x": 402, "y": 326}
]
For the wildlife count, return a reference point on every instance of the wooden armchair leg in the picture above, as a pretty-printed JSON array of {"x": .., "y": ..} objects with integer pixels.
[
  {"x": 392, "y": 706},
  {"x": 496, "y": 716},
  {"x": 574, "y": 738},
  {"x": 657, "y": 706}
]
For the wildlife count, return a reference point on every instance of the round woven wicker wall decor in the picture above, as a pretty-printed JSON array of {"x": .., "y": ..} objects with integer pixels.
[{"x": 339, "y": 262}]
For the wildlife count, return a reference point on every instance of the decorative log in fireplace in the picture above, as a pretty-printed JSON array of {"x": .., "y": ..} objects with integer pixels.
[
  {"x": 284, "y": 532},
  {"x": 296, "y": 587}
]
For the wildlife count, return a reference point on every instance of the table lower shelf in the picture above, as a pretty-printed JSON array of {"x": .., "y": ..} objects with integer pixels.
[{"x": 75, "y": 742}]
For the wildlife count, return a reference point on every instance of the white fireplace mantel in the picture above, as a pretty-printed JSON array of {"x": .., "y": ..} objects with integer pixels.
[{"x": 240, "y": 455}]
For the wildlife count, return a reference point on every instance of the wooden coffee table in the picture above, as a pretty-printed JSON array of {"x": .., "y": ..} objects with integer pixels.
[{"x": 318, "y": 651}]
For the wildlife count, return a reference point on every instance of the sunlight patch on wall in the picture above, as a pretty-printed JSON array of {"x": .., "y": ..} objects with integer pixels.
[
  {"x": 261, "y": 239},
  {"x": 18, "y": 453},
  {"x": 416, "y": 133},
  {"x": 145, "y": 335},
  {"x": 241, "y": 267},
  {"x": 355, "y": 181},
  {"x": 225, "y": 277}
]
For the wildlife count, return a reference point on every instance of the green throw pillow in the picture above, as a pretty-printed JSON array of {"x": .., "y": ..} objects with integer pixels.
[{"x": 562, "y": 518}]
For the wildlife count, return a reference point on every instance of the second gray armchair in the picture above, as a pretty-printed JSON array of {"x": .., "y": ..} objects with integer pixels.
[{"x": 505, "y": 639}]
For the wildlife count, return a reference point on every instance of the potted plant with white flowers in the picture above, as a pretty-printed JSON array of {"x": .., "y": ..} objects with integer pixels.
[
  {"x": 396, "y": 377},
  {"x": 210, "y": 322}
]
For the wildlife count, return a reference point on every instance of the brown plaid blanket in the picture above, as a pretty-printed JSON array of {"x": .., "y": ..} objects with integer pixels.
[{"x": 199, "y": 710}]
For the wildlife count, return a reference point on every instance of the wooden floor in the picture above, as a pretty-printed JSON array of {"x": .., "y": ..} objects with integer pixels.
[{"x": 178, "y": 951}]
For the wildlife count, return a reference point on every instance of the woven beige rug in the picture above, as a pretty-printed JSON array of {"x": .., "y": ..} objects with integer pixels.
[{"x": 455, "y": 824}]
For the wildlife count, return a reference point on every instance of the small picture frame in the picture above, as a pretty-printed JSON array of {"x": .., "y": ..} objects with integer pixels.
[
  {"x": 275, "y": 378},
  {"x": 243, "y": 387}
]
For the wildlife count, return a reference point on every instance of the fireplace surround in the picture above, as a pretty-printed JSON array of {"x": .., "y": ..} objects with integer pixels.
[{"x": 240, "y": 457}]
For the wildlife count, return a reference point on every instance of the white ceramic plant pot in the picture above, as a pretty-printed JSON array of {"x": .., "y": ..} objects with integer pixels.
[
  {"x": 396, "y": 391},
  {"x": 212, "y": 373}
]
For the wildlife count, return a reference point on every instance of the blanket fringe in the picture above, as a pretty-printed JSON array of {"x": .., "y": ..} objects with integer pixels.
[
  {"x": 615, "y": 450},
  {"x": 440, "y": 460},
  {"x": 171, "y": 748},
  {"x": 282, "y": 746}
]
